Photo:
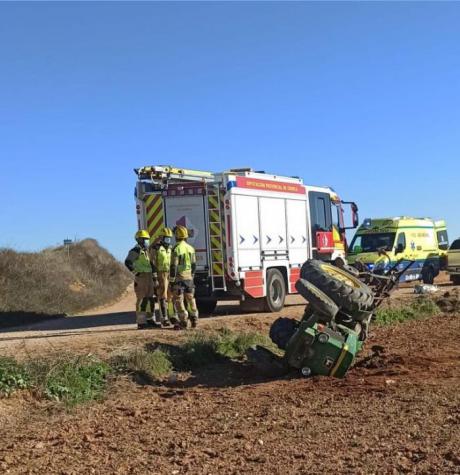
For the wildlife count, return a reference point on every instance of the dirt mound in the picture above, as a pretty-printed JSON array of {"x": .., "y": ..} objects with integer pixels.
[{"x": 58, "y": 280}]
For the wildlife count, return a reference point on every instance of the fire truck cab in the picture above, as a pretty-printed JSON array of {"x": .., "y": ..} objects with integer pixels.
[{"x": 251, "y": 230}]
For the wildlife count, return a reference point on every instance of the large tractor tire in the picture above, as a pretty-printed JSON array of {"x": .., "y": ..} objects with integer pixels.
[
  {"x": 282, "y": 330},
  {"x": 345, "y": 289},
  {"x": 317, "y": 299}
]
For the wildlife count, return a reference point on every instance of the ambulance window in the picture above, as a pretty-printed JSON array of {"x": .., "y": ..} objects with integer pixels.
[
  {"x": 443, "y": 240},
  {"x": 401, "y": 241}
]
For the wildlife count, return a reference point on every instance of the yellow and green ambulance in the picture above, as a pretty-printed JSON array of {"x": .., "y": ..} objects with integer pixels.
[{"x": 422, "y": 240}]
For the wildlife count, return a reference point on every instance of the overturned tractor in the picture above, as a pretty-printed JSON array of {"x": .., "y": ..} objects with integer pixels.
[{"x": 341, "y": 305}]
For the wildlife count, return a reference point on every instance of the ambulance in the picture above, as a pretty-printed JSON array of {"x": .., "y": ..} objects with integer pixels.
[
  {"x": 251, "y": 230},
  {"x": 422, "y": 240}
]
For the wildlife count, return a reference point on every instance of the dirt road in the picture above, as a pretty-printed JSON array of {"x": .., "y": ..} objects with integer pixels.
[{"x": 398, "y": 412}]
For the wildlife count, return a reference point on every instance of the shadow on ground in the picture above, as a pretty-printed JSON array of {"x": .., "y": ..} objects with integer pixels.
[
  {"x": 221, "y": 372},
  {"x": 60, "y": 322},
  {"x": 23, "y": 319}
]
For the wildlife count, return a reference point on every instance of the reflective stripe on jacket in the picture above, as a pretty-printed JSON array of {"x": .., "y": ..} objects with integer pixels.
[
  {"x": 138, "y": 260},
  {"x": 162, "y": 259}
]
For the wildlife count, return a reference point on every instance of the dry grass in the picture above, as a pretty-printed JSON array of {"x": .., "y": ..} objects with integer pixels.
[{"x": 55, "y": 281}]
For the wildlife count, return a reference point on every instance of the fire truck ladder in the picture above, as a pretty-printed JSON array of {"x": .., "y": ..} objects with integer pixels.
[{"x": 216, "y": 237}]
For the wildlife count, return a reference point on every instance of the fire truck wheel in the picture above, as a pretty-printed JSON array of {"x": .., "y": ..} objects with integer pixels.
[
  {"x": 276, "y": 291},
  {"x": 206, "y": 307},
  {"x": 346, "y": 290},
  {"x": 317, "y": 299},
  {"x": 282, "y": 330}
]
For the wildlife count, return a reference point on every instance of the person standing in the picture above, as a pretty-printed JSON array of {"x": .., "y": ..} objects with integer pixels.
[
  {"x": 183, "y": 266},
  {"x": 138, "y": 262},
  {"x": 161, "y": 260}
]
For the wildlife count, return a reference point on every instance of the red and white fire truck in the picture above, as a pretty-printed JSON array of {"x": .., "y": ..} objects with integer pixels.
[{"x": 252, "y": 231}]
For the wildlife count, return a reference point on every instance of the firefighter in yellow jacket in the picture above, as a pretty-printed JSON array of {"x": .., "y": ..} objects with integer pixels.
[
  {"x": 161, "y": 260},
  {"x": 183, "y": 266},
  {"x": 138, "y": 262}
]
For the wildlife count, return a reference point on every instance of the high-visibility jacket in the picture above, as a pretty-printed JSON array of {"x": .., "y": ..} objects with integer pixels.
[
  {"x": 138, "y": 260},
  {"x": 183, "y": 261},
  {"x": 162, "y": 258}
]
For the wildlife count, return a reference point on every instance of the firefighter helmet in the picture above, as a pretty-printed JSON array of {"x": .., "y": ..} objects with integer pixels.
[
  {"x": 181, "y": 232},
  {"x": 142, "y": 234},
  {"x": 167, "y": 232}
]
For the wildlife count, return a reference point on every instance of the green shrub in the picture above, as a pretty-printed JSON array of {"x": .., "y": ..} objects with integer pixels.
[
  {"x": 71, "y": 380},
  {"x": 13, "y": 376},
  {"x": 419, "y": 309},
  {"x": 148, "y": 364},
  {"x": 235, "y": 344}
]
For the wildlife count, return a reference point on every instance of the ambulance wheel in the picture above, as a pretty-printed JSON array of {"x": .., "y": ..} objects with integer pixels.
[
  {"x": 428, "y": 275},
  {"x": 276, "y": 291},
  {"x": 207, "y": 306},
  {"x": 317, "y": 299},
  {"x": 282, "y": 330},
  {"x": 345, "y": 289}
]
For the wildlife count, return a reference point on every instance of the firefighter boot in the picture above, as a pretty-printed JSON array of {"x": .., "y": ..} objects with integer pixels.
[{"x": 164, "y": 313}]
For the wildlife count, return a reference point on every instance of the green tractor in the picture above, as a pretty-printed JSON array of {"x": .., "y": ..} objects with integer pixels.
[{"x": 335, "y": 324}]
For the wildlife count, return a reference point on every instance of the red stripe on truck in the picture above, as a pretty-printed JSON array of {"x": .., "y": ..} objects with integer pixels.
[
  {"x": 254, "y": 283},
  {"x": 255, "y": 291},
  {"x": 229, "y": 234},
  {"x": 294, "y": 275},
  {"x": 269, "y": 185}
]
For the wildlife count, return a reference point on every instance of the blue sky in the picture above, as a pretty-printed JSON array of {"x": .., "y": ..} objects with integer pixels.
[{"x": 360, "y": 96}]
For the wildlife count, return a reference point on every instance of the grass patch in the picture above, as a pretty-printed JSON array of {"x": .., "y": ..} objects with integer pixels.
[
  {"x": 149, "y": 365},
  {"x": 418, "y": 310},
  {"x": 13, "y": 376},
  {"x": 201, "y": 349},
  {"x": 70, "y": 380}
]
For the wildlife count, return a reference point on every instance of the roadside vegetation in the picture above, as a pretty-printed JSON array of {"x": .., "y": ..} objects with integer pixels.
[
  {"x": 419, "y": 309},
  {"x": 58, "y": 280},
  {"x": 72, "y": 380}
]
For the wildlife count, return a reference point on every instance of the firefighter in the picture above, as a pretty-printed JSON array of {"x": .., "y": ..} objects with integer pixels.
[
  {"x": 161, "y": 259},
  {"x": 183, "y": 266},
  {"x": 138, "y": 262}
]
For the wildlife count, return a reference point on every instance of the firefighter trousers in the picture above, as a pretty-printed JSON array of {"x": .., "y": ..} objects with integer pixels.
[
  {"x": 145, "y": 297},
  {"x": 184, "y": 294}
]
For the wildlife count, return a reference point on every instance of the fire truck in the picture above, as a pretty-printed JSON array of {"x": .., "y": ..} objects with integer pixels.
[{"x": 251, "y": 230}]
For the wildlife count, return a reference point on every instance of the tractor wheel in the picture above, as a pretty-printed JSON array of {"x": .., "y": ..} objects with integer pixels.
[
  {"x": 206, "y": 306},
  {"x": 352, "y": 270},
  {"x": 346, "y": 290},
  {"x": 282, "y": 330},
  {"x": 317, "y": 299}
]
